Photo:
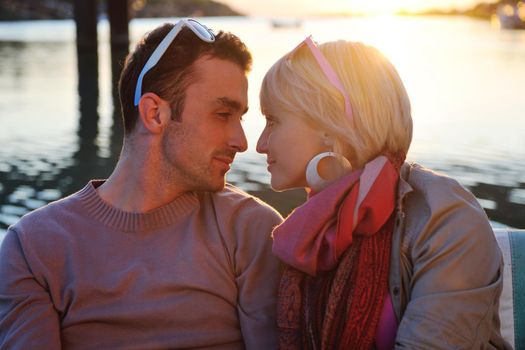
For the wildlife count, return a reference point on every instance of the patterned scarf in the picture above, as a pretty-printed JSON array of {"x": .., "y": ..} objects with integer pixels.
[{"x": 336, "y": 248}]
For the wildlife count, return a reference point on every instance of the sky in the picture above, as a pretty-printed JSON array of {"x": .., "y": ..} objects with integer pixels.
[{"x": 313, "y": 7}]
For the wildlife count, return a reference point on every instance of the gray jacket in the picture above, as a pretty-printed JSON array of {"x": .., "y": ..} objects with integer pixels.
[{"x": 446, "y": 266}]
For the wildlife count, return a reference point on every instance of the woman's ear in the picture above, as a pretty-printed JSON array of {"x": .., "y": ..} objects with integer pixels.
[
  {"x": 328, "y": 140},
  {"x": 154, "y": 112}
]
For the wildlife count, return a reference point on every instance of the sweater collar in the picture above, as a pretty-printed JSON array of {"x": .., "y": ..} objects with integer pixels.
[{"x": 135, "y": 221}]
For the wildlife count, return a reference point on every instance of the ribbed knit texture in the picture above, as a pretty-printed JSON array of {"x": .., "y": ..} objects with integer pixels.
[
  {"x": 130, "y": 221},
  {"x": 195, "y": 273}
]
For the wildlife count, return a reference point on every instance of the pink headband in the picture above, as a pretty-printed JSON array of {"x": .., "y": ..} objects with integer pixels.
[{"x": 328, "y": 71}]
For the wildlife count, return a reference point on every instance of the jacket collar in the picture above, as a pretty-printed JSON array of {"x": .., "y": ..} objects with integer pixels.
[{"x": 403, "y": 187}]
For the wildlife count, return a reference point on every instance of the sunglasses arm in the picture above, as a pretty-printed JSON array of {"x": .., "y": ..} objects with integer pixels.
[{"x": 155, "y": 57}]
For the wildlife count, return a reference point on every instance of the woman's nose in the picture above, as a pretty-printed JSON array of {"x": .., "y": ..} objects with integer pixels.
[{"x": 262, "y": 143}]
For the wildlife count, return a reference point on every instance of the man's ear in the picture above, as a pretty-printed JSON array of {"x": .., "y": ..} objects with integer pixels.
[{"x": 154, "y": 112}]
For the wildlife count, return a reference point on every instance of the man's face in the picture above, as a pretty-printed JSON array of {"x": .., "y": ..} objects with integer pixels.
[{"x": 199, "y": 149}]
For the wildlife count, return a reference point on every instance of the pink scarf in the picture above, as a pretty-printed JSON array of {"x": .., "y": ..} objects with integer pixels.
[
  {"x": 315, "y": 234},
  {"x": 316, "y": 240}
]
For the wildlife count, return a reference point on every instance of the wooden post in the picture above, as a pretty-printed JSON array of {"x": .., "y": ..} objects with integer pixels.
[
  {"x": 85, "y": 12},
  {"x": 118, "y": 15},
  {"x": 87, "y": 66}
]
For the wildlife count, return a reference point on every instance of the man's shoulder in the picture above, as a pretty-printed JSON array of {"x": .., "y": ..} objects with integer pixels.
[
  {"x": 244, "y": 221},
  {"x": 237, "y": 200},
  {"x": 49, "y": 215},
  {"x": 239, "y": 213}
]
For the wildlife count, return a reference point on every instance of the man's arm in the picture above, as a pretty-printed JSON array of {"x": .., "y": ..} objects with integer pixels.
[
  {"x": 257, "y": 276},
  {"x": 28, "y": 319}
]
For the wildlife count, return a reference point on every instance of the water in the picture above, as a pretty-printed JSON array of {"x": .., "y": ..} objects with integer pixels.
[{"x": 466, "y": 80}]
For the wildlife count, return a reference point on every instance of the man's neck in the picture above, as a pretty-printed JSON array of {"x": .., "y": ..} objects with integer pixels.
[{"x": 137, "y": 187}]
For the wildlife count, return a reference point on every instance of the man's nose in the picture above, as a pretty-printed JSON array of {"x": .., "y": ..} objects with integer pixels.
[{"x": 238, "y": 139}]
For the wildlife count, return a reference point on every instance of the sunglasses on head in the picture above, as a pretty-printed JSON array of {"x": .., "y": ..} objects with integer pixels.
[
  {"x": 328, "y": 72},
  {"x": 199, "y": 29}
]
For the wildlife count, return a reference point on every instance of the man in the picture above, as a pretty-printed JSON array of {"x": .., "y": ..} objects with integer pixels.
[{"x": 162, "y": 254}]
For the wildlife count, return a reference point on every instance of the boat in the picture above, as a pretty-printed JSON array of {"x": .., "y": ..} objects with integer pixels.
[
  {"x": 286, "y": 23},
  {"x": 510, "y": 15}
]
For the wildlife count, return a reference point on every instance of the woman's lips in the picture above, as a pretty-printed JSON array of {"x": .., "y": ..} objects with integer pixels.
[{"x": 270, "y": 162}]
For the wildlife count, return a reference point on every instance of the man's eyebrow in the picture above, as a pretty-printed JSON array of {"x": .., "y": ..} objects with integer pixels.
[{"x": 236, "y": 105}]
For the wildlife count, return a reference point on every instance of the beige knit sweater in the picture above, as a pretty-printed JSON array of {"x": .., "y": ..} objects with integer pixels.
[{"x": 196, "y": 273}]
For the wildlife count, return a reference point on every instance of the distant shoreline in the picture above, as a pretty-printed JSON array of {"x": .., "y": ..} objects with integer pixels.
[
  {"x": 480, "y": 11},
  {"x": 23, "y": 10},
  {"x": 483, "y": 11},
  {"x": 63, "y": 9}
]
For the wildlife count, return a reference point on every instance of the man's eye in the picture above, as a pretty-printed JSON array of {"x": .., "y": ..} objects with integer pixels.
[{"x": 224, "y": 115}]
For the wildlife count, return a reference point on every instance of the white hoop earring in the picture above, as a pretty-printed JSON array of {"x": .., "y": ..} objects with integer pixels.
[{"x": 314, "y": 180}]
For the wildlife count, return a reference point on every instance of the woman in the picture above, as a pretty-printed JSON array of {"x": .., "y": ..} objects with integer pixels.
[{"x": 383, "y": 253}]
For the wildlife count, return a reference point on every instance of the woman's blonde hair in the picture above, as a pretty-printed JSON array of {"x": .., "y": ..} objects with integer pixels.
[{"x": 296, "y": 85}]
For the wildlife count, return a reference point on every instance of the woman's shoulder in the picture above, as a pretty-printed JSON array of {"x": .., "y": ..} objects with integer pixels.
[
  {"x": 436, "y": 202},
  {"x": 425, "y": 179},
  {"x": 436, "y": 189}
]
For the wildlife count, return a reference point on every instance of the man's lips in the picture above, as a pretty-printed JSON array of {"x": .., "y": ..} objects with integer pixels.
[{"x": 227, "y": 160}]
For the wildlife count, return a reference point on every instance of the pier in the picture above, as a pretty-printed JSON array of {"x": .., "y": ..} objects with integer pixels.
[{"x": 86, "y": 18}]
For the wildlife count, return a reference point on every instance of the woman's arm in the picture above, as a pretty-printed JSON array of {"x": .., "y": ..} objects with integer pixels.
[{"x": 453, "y": 268}]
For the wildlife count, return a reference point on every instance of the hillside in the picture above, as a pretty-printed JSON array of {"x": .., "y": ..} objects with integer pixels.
[
  {"x": 482, "y": 10},
  {"x": 12, "y": 10}
]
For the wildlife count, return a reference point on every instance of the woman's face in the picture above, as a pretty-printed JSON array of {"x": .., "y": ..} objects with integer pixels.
[{"x": 289, "y": 144}]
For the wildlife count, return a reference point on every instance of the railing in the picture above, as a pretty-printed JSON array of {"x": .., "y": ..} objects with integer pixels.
[{"x": 512, "y": 300}]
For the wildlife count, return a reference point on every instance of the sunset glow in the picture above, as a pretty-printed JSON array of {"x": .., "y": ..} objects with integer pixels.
[{"x": 315, "y": 7}]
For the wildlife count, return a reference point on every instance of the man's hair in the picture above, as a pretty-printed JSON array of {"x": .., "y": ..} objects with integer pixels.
[
  {"x": 296, "y": 86},
  {"x": 172, "y": 75}
]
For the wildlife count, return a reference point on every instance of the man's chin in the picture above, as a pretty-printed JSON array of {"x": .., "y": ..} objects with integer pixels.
[
  {"x": 219, "y": 188},
  {"x": 210, "y": 183},
  {"x": 216, "y": 186}
]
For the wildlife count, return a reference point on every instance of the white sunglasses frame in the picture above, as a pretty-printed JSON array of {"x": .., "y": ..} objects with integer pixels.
[{"x": 199, "y": 29}]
